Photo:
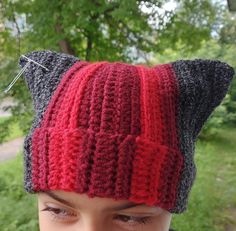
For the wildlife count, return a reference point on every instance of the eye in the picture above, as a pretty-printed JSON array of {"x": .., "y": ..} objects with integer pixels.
[
  {"x": 61, "y": 214},
  {"x": 132, "y": 220}
]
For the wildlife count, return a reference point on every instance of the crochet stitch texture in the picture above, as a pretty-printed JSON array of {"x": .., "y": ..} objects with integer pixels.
[{"x": 117, "y": 130}]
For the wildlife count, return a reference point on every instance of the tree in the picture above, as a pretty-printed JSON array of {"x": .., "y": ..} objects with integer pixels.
[{"x": 95, "y": 30}]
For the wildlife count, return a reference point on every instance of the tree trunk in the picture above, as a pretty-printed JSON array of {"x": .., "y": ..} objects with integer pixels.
[{"x": 64, "y": 43}]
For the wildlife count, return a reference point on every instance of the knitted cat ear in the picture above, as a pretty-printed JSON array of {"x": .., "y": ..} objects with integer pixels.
[
  {"x": 203, "y": 85},
  {"x": 42, "y": 83}
]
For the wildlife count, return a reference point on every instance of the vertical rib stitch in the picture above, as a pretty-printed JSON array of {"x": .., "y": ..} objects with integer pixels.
[
  {"x": 168, "y": 101},
  {"x": 157, "y": 186},
  {"x": 150, "y": 105},
  {"x": 58, "y": 98},
  {"x": 103, "y": 172},
  {"x": 85, "y": 160},
  {"x": 128, "y": 107}
]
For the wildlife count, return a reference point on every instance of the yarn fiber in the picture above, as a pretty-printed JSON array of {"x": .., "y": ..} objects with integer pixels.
[{"x": 117, "y": 130}]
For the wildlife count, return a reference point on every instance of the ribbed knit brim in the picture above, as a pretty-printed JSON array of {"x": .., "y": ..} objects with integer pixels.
[{"x": 116, "y": 130}]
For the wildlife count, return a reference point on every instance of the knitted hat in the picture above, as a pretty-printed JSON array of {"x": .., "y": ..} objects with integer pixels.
[{"x": 116, "y": 130}]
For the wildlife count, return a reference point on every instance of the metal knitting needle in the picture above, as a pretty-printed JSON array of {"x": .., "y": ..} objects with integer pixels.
[
  {"x": 16, "y": 78},
  {"x": 22, "y": 71},
  {"x": 31, "y": 60}
]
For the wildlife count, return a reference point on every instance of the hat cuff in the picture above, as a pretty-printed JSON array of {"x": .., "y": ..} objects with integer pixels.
[{"x": 118, "y": 166}]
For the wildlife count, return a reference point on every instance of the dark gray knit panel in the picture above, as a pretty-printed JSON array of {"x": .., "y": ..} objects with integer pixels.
[
  {"x": 203, "y": 84},
  {"x": 42, "y": 85}
]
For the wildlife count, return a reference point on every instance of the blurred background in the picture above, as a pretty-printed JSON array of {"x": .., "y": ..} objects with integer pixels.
[{"x": 134, "y": 31}]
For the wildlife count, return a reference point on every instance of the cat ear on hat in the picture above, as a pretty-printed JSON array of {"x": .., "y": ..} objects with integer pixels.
[
  {"x": 43, "y": 80},
  {"x": 203, "y": 84}
]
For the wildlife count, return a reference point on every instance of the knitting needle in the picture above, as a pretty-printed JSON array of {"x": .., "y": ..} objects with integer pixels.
[
  {"x": 31, "y": 60},
  {"x": 16, "y": 78},
  {"x": 22, "y": 71}
]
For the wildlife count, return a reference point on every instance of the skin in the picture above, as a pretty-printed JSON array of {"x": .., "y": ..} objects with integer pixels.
[{"x": 69, "y": 211}]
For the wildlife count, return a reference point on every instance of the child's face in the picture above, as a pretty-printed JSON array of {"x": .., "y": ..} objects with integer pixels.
[{"x": 68, "y": 211}]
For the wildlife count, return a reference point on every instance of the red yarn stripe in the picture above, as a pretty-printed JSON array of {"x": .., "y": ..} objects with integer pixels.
[
  {"x": 169, "y": 96},
  {"x": 128, "y": 94},
  {"x": 35, "y": 160},
  {"x": 78, "y": 91},
  {"x": 104, "y": 159},
  {"x": 49, "y": 119},
  {"x": 69, "y": 158},
  {"x": 83, "y": 119},
  {"x": 109, "y": 100},
  {"x": 63, "y": 112},
  {"x": 97, "y": 99},
  {"x": 54, "y": 160},
  {"x": 103, "y": 171},
  {"x": 126, "y": 151},
  {"x": 135, "y": 104},
  {"x": 85, "y": 157},
  {"x": 127, "y": 74},
  {"x": 156, "y": 166},
  {"x": 151, "y": 123},
  {"x": 43, "y": 160}
]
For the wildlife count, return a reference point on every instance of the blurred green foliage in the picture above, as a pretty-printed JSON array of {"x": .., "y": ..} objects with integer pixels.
[
  {"x": 14, "y": 129},
  {"x": 18, "y": 210}
]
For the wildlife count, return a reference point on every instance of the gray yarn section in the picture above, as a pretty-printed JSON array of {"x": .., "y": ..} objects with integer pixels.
[
  {"x": 42, "y": 85},
  {"x": 203, "y": 84}
]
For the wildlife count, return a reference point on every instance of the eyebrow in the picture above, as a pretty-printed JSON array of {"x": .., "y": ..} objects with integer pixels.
[
  {"x": 57, "y": 198},
  {"x": 115, "y": 208}
]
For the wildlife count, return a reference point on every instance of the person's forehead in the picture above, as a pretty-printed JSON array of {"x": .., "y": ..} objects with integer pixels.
[{"x": 83, "y": 200}]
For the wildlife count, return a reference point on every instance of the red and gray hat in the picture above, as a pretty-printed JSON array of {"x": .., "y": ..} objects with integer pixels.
[{"x": 117, "y": 130}]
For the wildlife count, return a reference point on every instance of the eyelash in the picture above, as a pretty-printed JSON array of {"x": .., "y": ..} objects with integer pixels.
[
  {"x": 140, "y": 220},
  {"x": 59, "y": 214},
  {"x": 56, "y": 215}
]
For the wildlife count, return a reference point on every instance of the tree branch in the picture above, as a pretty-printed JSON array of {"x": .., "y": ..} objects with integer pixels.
[
  {"x": 17, "y": 28},
  {"x": 64, "y": 44}
]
